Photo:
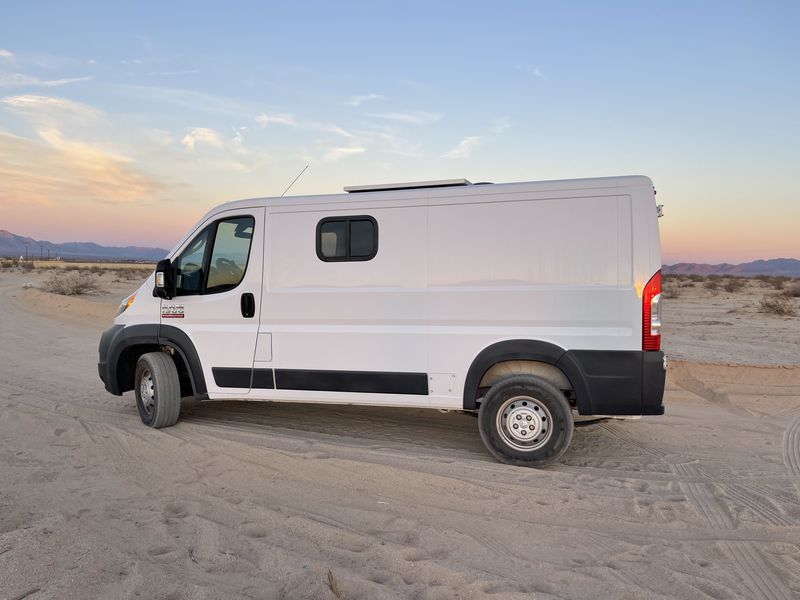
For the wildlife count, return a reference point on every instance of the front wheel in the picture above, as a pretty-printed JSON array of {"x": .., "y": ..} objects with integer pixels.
[
  {"x": 526, "y": 421},
  {"x": 158, "y": 390}
]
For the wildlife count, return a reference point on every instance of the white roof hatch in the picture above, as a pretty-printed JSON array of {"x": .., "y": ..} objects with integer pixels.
[{"x": 409, "y": 185}]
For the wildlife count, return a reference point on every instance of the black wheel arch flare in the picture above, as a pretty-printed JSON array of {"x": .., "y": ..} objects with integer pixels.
[{"x": 119, "y": 338}]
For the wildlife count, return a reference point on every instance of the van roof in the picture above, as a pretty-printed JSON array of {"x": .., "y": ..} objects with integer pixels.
[{"x": 418, "y": 190}]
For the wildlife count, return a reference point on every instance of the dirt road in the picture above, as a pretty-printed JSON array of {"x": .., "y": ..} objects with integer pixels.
[{"x": 258, "y": 500}]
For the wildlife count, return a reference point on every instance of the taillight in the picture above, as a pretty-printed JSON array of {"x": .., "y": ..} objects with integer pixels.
[{"x": 651, "y": 314}]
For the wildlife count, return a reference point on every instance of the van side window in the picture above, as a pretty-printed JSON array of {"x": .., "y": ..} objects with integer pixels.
[
  {"x": 216, "y": 259},
  {"x": 347, "y": 238},
  {"x": 230, "y": 254}
]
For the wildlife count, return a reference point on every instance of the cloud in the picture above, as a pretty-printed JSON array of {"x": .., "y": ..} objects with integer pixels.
[
  {"x": 331, "y": 128},
  {"x": 412, "y": 118},
  {"x": 6, "y": 53},
  {"x": 279, "y": 118},
  {"x": 359, "y": 100},
  {"x": 55, "y": 169},
  {"x": 335, "y": 154},
  {"x": 188, "y": 99},
  {"x": 464, "y": 147},
  {"x": 22, "y": 80},
  {"x": 201, "y": 135},
  {"x": 50, "y": 110},
  {"x": 500, "y": 124}
]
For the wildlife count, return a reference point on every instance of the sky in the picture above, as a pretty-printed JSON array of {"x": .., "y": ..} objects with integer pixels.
[{"x": 122, "y": 123}]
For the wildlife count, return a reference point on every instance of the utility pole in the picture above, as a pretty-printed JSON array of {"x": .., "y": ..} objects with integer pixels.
[
  {"x": 41, "y": 252},
  {"x": 26, "y": 251}
]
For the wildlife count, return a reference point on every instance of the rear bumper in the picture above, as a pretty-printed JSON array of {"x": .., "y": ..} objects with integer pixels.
[{"x": 616, "y": 382}]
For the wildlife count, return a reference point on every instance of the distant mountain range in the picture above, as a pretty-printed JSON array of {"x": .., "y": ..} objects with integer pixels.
[
  {"x": 789, "y": 267},
  {"x": 12, "y": 245}
]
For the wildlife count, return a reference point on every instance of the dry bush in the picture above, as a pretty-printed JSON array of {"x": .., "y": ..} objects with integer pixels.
[
  {"x": 793, "y": 291},
  {"x": 7, "y": 264},
  {"x": 734, "y": 285},
  {"x": 687, "y": 284},
  {"x": 131, "y": 274},
  {"x": 671, "y": 291},
  {"x": 695, "y": 278},
  {"x": 776, "y": 305},
  {"x": 711, "y": 284},
  {"x": 776, "y": 282},
  {"x": 71, "y": 284},
  {"x": 779, "y": 282}
]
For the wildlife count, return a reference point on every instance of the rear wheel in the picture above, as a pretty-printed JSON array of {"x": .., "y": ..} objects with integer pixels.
[
  {"x": 526, "y": 421},
  {"x": 158, "y": 390}
]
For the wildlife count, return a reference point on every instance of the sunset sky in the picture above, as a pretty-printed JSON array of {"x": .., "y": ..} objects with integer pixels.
[{"x": 123, "y": 123}]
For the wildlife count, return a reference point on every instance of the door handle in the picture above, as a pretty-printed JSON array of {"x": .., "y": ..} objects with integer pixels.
[{"x": 248, "y": 305}]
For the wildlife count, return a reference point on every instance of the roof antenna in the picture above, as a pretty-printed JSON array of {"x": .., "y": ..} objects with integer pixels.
[{"x": 293, "y": 181}]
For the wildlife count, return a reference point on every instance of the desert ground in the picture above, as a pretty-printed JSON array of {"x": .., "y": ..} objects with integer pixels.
[{"x": 269, "y": 500}]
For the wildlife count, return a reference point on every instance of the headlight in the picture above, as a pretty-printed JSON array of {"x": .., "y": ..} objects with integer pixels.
[{"x": 125, "y": 305}]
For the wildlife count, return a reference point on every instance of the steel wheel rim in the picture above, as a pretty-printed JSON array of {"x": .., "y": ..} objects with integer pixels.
[
  {"x": 524, "y": 423},
  {"x": 147, "y": 391}
]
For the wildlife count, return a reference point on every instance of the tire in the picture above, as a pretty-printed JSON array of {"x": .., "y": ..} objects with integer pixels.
[
  {"x": 158, "y": 390},
  {"x": 529, "y": 404}
]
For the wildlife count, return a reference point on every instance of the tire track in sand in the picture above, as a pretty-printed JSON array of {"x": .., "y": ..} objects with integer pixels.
[
  {"x": 791, "y": 449},
  {"x": 754, "y": 572}
]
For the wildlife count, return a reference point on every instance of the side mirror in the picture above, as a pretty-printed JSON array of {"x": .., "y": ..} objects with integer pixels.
[{"x": 165, "y": 280}]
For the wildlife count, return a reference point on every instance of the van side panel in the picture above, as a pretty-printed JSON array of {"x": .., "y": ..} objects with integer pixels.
[
  {"x": 365, "y": 319},
  {"x": 555, "y": 267}
]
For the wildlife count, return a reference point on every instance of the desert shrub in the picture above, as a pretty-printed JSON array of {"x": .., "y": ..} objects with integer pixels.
[
  {"x": 773, "y": 281},
  {"x": 734, "y": 285},
  {"x": 96, "y": 269},
  {"x": 711, "y": 284},
  {"x": 687, "y": 284},
  {"x": 131, "y": 274},
  {"x": 71, "y": 284},
  {"x": 671, "y": 291},
  {"x": 779, "y": 282},
  {"x": 695, "y": 278},
  {"x": 7, "y": 264},
  {"x": 72, "y": 268},
  {"x": 793, "y": 291},
  {"x": 27, "y": 266},
  {"x": 776, "y": 305}
]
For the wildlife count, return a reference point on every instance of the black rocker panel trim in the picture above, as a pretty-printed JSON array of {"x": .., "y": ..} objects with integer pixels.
[
  {"x": 235, "y": 377},
  {"x": 377, "y": 382},
  {"x": 232, "y": 377},
  {"x": 263, "y": 379}
]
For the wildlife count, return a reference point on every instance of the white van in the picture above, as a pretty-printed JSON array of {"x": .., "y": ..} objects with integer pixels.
[{"x": 525, "y": 302}]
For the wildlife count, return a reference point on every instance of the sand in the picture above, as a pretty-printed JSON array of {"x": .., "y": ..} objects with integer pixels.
[{"x": 268, "y": 500}]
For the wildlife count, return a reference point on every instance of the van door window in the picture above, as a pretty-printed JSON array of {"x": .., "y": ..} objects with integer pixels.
[
  {"x": 215, "y": 260},
  {"x": 230, "y": 254},
  {"x": 189, "y": 265}
]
